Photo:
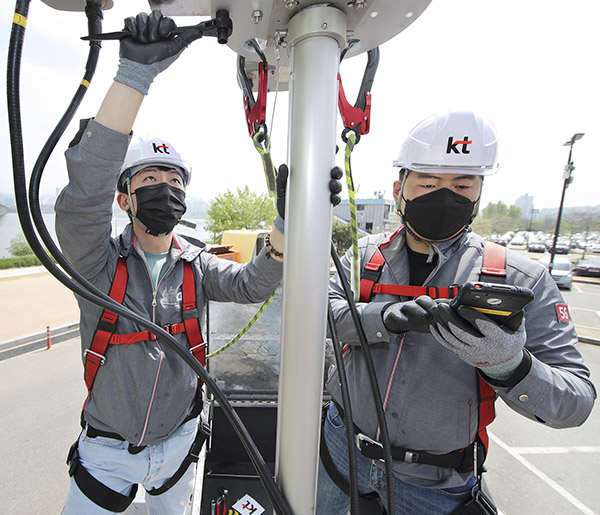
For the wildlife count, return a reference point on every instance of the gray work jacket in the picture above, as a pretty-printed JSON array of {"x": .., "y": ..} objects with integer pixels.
[
  {"x": 144, "y": 390},
  {"x": 430, "y": 394}
]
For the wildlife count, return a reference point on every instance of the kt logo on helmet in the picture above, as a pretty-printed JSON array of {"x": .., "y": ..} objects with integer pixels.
[
  {"x": 164, "y": 149},
  {"x": 452, "y": 145}
]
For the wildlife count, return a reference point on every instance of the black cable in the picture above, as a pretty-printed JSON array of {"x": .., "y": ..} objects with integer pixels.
[
  {"x": 385, "y": 437},
  {"x": 16, "y": 137},
  {"x": 348, "y": 421}
]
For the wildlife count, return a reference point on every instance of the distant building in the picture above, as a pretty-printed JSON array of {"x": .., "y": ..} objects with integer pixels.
[
  {"x": 525, "y": 204},
  {"x": 373, "y": 215}
]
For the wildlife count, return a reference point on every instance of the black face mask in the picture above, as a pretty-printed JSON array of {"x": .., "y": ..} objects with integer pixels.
[
  {"x": 159, "y": 207},
  {"x": 438, "y": 215}
]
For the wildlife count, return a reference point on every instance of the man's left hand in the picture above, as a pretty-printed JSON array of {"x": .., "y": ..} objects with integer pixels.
[{"x": 472, "y": 336}]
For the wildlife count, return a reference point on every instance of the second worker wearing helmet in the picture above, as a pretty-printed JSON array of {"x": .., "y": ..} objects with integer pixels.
[
  {"x": 437, "y": 374},
  {"x": 141, "y": 418}
]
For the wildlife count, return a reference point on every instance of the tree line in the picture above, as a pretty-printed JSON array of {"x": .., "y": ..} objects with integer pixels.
[{"x": 498, "y": 218}]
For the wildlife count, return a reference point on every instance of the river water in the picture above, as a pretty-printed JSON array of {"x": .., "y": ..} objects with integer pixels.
[{"x": 10, "y": 227}]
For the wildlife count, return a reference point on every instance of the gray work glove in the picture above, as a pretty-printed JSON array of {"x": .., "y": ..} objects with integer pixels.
[
  {"x": 476, "y": 339},
  {"x": 150, "y": 50},
  {"x": 400, "y": 317}
]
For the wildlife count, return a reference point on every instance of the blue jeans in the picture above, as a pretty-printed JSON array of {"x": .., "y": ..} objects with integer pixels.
[
  {"x": 410, "y": 500},
  {"x": 110, "y": 462}
]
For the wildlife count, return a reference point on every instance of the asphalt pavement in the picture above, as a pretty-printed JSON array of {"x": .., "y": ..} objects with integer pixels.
[{"x": 532, "y": 469}]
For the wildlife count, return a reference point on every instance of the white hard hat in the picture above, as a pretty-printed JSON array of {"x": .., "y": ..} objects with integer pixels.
[
  {"x": 452, "y": 142},
  {"x": 152, "y": 151}
]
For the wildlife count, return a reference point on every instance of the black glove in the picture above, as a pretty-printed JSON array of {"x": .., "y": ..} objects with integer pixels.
[
  {"x": 150, "y": 49},
  {"x": 335, "y": 186},
  {"x": 400, "y": 317},
  {"x": 281, "y": 187}
]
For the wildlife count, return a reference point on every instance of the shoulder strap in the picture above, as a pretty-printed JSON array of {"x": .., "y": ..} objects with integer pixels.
[
  {"x": 370, "y": 275},
  {"x": 487, "y": 412},
  {"x": 94, "y": 356},
  {"x": 190, "y": 314},
  {"x": 492, "y": 271},
  {"x": 494, "y": 263}
]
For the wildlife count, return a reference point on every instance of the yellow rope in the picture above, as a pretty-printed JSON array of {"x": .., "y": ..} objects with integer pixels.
[
  {"x": 354, "y": 271},
  {"x": 245, "y": 329}
]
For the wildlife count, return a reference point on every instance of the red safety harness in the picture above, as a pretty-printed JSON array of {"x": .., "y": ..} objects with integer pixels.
[
  {"x": 95, "y": 356},
  {"x": 493, "y": 270}
]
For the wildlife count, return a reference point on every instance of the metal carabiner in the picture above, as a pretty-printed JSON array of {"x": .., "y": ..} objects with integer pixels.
[
  {"x": 255, "y": 109},
  {"x": 357, "y": 118}
]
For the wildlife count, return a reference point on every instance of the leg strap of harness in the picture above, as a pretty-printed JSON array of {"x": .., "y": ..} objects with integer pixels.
[
  {"x": 192, "y": 457},
  {"x": 93, "y": 489}
]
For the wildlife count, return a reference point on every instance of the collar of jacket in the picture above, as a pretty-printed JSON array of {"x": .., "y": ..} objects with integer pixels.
[
  {"x": 397, "y": 241},
  {"x": 183, "y": 247}
]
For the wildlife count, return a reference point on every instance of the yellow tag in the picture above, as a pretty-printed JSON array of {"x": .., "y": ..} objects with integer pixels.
[
  {"x": 20, "y": 20},
  {"x": 487, "y": 311},
  {"x": 85, "y": 83}
]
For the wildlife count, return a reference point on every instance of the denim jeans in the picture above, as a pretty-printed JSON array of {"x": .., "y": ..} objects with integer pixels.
[
  {"x": 410, "y": 500},
  {"x": 110, "y": 462}
]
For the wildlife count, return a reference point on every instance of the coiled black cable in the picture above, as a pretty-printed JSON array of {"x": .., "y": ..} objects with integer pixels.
[
  {"x": 385, "y": 437},
  {"x": 83, "y": 288},
  {"x": 348, "y": 423}
]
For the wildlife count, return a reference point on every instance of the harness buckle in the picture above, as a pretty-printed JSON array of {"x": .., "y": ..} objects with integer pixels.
[
  {"x": 411, "y": 457},
  {"x": 193, "y": 349},
  {"x": 100, "y": 357}
]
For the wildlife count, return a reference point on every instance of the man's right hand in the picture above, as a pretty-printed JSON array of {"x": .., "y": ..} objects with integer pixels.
[
  {"x": 151, "y": 49},
  {"x": 401, "y": 317}
]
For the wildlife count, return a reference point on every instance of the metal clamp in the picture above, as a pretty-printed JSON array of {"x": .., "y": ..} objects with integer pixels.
[
  {"x": 102, "y": 359},
  {"x": 359, "y": 438}
]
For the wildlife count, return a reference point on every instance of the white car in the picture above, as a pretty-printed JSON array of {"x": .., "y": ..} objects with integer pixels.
[{"x": 562, "y": 271}]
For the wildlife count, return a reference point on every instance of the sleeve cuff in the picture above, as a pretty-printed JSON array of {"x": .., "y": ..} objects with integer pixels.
[{"x": 517, "y": 375}]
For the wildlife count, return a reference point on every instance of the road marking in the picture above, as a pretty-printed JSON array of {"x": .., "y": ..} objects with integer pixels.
[
  {"x": 573, "y": 308},
  {"x": 576, "y": 286},
  {"x": 549, "y": 481},
  {"x": 579, "y": 326},
  {"x": 556, "y": 450}
]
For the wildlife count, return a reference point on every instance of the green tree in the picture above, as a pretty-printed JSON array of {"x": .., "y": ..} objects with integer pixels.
[
  {"x": 341, "y": 234},
  {"x": 499, "y": 218},
  {"x": 242, "y": 210},
  {"x": 19, "y": 246}
]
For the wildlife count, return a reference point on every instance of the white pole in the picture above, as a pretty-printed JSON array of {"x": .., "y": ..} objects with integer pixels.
[{"x": 315, "y": 36}]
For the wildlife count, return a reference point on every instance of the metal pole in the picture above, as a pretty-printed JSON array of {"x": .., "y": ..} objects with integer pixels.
[
  {"x": 315, "y": 36},
  {"x": 568, "y": 170}
]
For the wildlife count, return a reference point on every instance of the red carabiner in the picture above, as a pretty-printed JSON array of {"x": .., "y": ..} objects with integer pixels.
[
  {"x": 354, "y": 117},
  {"x": 257, "y": 115}
]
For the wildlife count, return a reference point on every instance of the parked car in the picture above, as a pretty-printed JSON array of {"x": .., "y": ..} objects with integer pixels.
[
  {"x": 536, "y": 246},
  {"x": 595, "y": 248},
  {"x": 562, "y": 271},
  {"x": 590, "y": 267},
  {"x": 561, "y": 248}
]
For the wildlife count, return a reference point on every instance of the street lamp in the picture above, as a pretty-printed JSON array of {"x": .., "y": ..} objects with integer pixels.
[{"x": 568, "y": 180}]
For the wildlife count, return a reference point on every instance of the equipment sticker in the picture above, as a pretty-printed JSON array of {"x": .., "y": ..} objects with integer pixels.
[
  {"x": 248, "y": 505},
  {"x": 562, "y": 313}
]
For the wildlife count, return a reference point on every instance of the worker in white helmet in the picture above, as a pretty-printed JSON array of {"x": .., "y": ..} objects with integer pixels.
[
  {"x": 141, "y": 418},
  {"x": 439, "y": 369}
]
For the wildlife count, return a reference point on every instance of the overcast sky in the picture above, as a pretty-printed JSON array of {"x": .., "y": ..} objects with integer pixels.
[{"x": 530, "y": 67}]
